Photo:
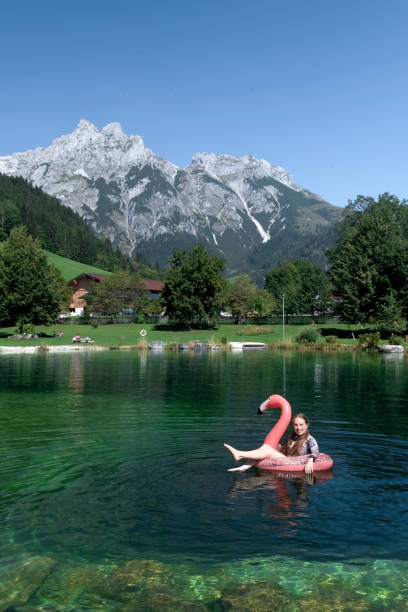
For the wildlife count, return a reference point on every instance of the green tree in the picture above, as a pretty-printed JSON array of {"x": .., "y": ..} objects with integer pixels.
[
  {"x": 264, "y": 303},
  {"x": 117, "y": 291},
  {"x": 315, "y": 291},
  {"x": 153, "y": 306},
  {"x": 369, "y": 264},
  {"x": 31, "y": 291},
  {"x": 390, "y": 316},
  {"x": 240, "y": 296},
  {"x": 306, "y": 287},
  {"x": 193, "y": 285},
  {"x": 9, "y": 217},
  {"x": 285, "y": 280}
]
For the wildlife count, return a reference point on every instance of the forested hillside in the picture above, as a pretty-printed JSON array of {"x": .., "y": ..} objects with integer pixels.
[{"x": 59, "y": 229}]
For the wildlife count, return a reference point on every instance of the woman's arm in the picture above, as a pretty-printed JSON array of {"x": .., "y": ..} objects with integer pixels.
[
  {"x": 309, "y": 465},
  {"x": 313, "y": 450}
]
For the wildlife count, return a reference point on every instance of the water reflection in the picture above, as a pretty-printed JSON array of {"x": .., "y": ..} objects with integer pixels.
[
  {"x": 76, "y": 373},
  {"x": 290, "y": 495}
]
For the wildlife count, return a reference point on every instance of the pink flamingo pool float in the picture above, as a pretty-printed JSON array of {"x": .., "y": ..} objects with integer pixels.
[{"x": 286, "y": 464}]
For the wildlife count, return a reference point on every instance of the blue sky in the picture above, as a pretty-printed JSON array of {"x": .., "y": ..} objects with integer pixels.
[{"x": 319, "y": 87}]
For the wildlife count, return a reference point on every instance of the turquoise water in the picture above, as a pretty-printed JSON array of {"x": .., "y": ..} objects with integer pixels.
[{"x": 113, "y": 476}]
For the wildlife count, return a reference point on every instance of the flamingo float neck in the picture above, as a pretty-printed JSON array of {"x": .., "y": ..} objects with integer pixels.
[{"x": 276, "y": 433}]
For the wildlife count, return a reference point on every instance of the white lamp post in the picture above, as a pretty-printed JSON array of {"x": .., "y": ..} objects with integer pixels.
[{"x": 283, "y": 316}]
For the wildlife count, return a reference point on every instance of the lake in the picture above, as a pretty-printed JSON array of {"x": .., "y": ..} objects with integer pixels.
[{"x": 115, "y": 493}]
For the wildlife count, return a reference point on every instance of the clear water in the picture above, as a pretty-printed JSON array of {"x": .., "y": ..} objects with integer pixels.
[{"x": 117, "y": 458}]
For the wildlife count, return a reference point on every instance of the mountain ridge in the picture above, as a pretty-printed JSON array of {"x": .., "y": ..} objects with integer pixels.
[{"x": 236, "y": 207}]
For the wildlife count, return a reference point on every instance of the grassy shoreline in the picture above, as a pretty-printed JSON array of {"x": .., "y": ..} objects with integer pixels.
[{"x": 129, "y": 336}]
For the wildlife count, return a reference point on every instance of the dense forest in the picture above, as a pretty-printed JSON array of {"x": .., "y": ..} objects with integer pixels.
[{"x": 59, "y": 229}]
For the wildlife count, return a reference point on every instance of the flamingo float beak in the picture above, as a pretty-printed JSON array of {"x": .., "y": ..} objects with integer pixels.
[{"x": 263, "y": 407}]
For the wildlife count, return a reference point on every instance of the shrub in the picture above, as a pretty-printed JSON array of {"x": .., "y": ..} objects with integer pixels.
[
  {"x": 139, "y": 318},
  {"x": 284, "y": 344},
  {"x": 369, "y": 342},
  {"x": 81, "y": 320},
  {"x": 224, "y": 340},
  {"x": 331, "y": 339},
  {"x": 24, "y": 328},
  {"x": 94, "y": 323},
  {"x": 394, "y": 339},
  {"x": 308, "y": 335}
]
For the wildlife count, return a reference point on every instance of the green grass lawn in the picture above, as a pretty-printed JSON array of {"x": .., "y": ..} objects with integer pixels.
[
  {"x": 129, "y": 334},
  {"x": 69, "y": 268}
]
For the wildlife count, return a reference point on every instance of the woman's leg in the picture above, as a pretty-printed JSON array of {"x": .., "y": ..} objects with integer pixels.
[{"x": 263, "y": 452}]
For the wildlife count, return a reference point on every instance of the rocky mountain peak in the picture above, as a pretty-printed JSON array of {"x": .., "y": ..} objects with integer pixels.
[
  {"x": 225, "y": 166},
  {"x": 87, "y": 135},
  {"x": 244, "y": 208},
  {"x": 85, "y": 126}
]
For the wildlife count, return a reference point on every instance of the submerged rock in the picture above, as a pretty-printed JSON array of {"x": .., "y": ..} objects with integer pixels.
[
  {"x": 140, "y": 585},
  {"x": 141, "y": 572},
  {"x": 128, "y": 586},
  {"x": 20, "y": 578},
  {"x": 163, "y": 600},
  {"x": 135, "y": 585},
  {"x": 335, "y": 595},
  {"x": 341, "y": 602},
  {"x": 76, "y": 588},
  {"x": 28, "y": 608},
  {"x": 260, "y": 596}
]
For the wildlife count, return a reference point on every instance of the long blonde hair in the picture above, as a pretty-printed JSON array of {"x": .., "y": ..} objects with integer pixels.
[{"x": 295, "y": 449}]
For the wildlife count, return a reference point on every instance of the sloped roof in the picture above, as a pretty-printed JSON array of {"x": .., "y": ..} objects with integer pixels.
[
  {"x": 153, "y": 285},
  {"x": 97, "y": 277}
]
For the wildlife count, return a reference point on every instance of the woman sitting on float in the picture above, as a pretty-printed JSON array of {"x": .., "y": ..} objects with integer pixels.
[{"x": 299, "y": 452}]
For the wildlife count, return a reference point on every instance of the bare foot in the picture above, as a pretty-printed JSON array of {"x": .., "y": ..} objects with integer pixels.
[{"x": 233, "y": 452}]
